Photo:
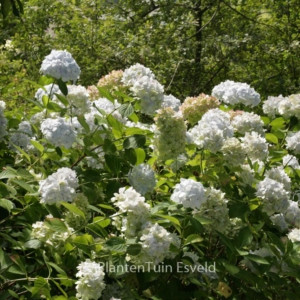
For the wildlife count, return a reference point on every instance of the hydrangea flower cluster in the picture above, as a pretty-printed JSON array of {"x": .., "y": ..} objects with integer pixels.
[
  {"x": 233, "y": 93},
  {"x": 90, "y": 283},
  {"x": 60, "y": 65},
  {"x": 293, "y": 142},
  {"x": 50, "y": 237},
  {"x": 189, "y": 193},
  {"x": 215, "y": 209},
  {"x": 156, "y": 242},
  {"x": 171, "y": 101},
  {"x": 292, "y": 214},
  {"x": 290, "y": 160},
  {"x": 49, "y": 90},
  {"x": 212, "y": 130},
  {"x": 142, "y": 178},
  {"x": 78, "y": 98},
  {"x": 112, "y": 80},
  {"x": 74, "y": 220},
  {"x": 3, "y": 121},
  {"x": 59, "y": 187},
  {"x": 255, "y": 146},
  {"x": 294, "y": 235},
  {"x": 169, "y": 140},
  {"x": 143, "y": 84},
  {"x": 233, "y": 152},
  {"x": 284, "y": 106},
  {"x": 274, "y": 196},
  {"x": 132, "y": 74},
  {"x": 151, "y": 93},
  {"x": 59, "y": 132},
  {"x": 247, "y": 122},
  {"x": 22, "y": 136},
  {"x": 193, "y": 108},
  {"x": 138, "y": 211}
]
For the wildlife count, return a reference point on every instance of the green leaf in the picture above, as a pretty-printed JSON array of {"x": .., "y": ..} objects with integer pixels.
[
  {"x": 135, "y": 141},
  {"x": 113, "y": 163},
  {"x": 23, "y": 185},
  {"x": 33, "y": 244},
  {"x": 140, "y": 156},
  {"x": 56, "y": 225},
  {"x": 5, "y": 8},
  {"x": 73, "y": 209},
  {"x": 57, "y": 268},
  {"x": 41, "y": 288},
  {"x": 134, "y": 249},
  {"x": 276, "y": 241},
  {"x": 277, "y": 122},
  {"x": 18, "y": 261},
  {"x": 22, "y": 152},
  {"x": 257, "y": 259},
  {"x": 172, "y": 219},
  {"x": 116, "y": 244},
  {"x": 63, "y": 87},
  {"x": 193, "y": 239},
  {"x": 106, "y": 94},
  {"x": 130, "y": 155},
  {"x": 83, "y": 123},
  {"x": 126, "y": 110},
  {"x": 102, "y": 221},
  {"x": 226, "y": 241},
  {"x": 245, "y": 238},
  {"x": 97, "y": 229},
  {"x": 231, "y": 268},
  {"x": 38, "y": 146},
  {"x": 62, "y": 99},
  {"x": 7, "y": 204},
  {"x": 115, "y": 124},
  {"x": 109, "y": 146},
  {"x": 271, "y": 138},
  {"x": 13, "y": 294},
  {"x": 8, "y": 173}
]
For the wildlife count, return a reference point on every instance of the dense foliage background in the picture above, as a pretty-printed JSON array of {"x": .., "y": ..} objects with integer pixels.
[{"x": 190, "y": 45}]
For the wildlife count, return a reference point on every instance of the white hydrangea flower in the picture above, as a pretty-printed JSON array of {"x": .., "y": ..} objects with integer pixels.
[
  {"x": 247, "y": 122},
  {"x": 131, "y": 75},
  {"x": 91, "y": 280},
  {"x": 96, "y": 163},
  {"x": 170, "y": 133},
  {"x": 151, "y": 93},
  {"x": 274, "y": 196},
  {"x": 279, "y": 175},
  {"x": 156, "y": 242},
  {"x": 212, "y": 130},
  {"x": 171, "y": 101},
  {"x": 189, "y": 193},
  {"x": 294, "y": 235},
  {"x": 3, "y": 121},
  {"x": 246, "y": 175},
  {"x": 255, "y": 146},
  {"x": 215, "y": 209},
  {"x": 49, "y": 90},
  {"x": 232, "y": 93},
  {"x": 59, "y": 132},
  {"x": 279, "y": 221},
  {"x": 78, "y": 98},
  {"x": 60, "y": 65},
  {"x": 293, "y": 142},
  {"x": 292, "y": 214},
  {"x": 133, "y": 204},
  {"x": 233, "y": 151},
  {"x": 270, "y": 106},
  {"x": 22, "y": 137},
  {"x": 142, "y": 178},
  {"x": 290, "y": 160},
  {"x": 49, "y": 237},
  {"x": 59, "y": 187}
]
